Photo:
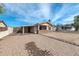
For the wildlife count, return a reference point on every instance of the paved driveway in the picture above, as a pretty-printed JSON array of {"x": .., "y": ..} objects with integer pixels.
[{"x": 14, "y": 45}]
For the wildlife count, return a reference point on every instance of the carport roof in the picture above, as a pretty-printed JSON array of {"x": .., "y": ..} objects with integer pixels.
[{"x": 20, "y": 23}]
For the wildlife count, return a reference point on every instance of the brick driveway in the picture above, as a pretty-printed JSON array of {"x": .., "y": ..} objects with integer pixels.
[{"x": 14, "y": 45}]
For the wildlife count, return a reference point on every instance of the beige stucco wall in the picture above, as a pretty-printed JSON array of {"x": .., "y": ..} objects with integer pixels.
[
  {"x": 26, "y": 29},
  {"x": 32, "y": 29},
  {"x": 5, "y": 33}
]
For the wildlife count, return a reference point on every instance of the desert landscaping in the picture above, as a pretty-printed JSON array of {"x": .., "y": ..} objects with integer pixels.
[
  {"x": 38, "y": 29},
  {"x": 32, "y": 44}
]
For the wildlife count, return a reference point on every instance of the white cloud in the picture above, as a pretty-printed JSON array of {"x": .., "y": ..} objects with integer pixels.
[
  {"x": 69, "y": 19},
  {"x": 67, "y": 10},
  {"x": 60, "y": 13},
  {"x": 45, "y": 10}
]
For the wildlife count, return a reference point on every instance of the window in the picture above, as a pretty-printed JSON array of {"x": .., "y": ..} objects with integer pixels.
[{"x": 42, "y": 27}]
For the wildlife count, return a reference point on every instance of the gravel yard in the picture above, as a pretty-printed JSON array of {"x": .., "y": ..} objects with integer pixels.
[{"x": 15, "y": 45}]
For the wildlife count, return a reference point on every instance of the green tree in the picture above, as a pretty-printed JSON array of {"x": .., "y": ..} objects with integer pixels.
[
  {"x": 76, "y": 22},
  {"x": 1, "y": 8}
]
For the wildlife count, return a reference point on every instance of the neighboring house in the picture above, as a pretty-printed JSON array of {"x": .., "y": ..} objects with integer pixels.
[
  {"x": 72, "y": 28},
  {"x": 67, "y": 27},
  {"x": 4, "y": 29},
  {"x": 3, "y": 26},
  {"x": 46, "y": 26}
]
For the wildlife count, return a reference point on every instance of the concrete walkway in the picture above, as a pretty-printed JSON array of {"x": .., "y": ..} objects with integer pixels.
[{"x": 14, "y": 45}]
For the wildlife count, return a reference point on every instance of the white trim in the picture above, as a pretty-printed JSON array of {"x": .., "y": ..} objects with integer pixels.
[
  {"x": 23, "y": 29},
  {"x": 47, "y": 28}
]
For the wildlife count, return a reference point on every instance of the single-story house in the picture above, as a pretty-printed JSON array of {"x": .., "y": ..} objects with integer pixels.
[
  {"x": 67, "y": 27},
  {"x": 47, "y": 26}
]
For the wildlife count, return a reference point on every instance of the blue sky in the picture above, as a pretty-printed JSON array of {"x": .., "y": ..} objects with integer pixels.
[{"x": 20, "y": 14}]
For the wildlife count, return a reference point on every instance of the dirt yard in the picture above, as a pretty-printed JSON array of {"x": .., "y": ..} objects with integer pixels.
[
  {"x": 23, "y": 45},
  {"x": 70, "y": 37}
]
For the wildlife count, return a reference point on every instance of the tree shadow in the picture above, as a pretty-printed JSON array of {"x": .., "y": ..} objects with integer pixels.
[
  {"x": 33, "y": 50},
  {"x": 1, "y": 39}
]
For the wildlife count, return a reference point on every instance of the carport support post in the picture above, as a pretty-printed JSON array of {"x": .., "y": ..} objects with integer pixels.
[
  {"x": 37, "y": 28},
  {"x": 23, "y": 30}
]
